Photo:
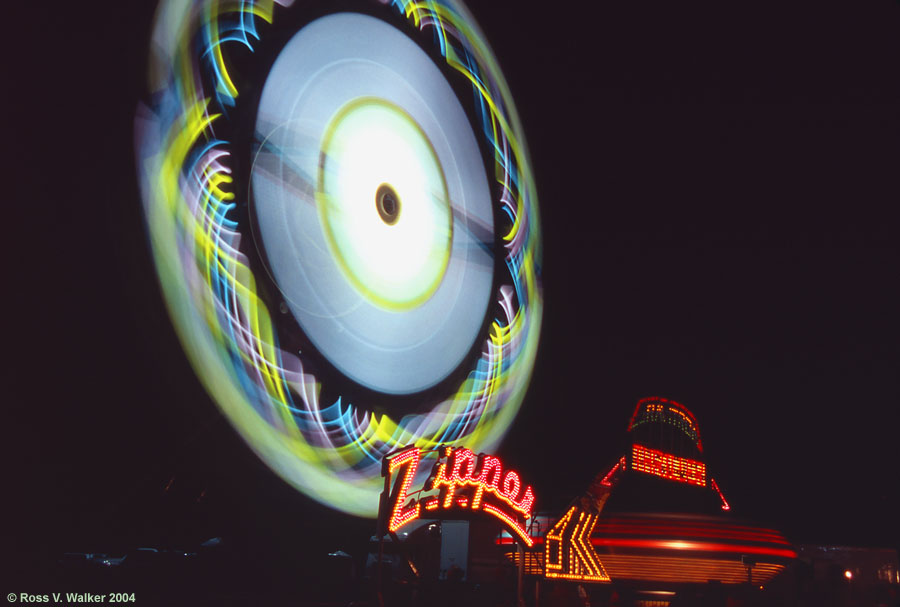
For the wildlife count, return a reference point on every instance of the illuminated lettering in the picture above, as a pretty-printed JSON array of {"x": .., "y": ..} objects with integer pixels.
[
  {"x": 666, "y": 465},
  {"x": 484, "y": 473},
  {"x": 400, "y": 515},
  {"x": 464, "y": 481},
  {"x": 656, "y": 409}
]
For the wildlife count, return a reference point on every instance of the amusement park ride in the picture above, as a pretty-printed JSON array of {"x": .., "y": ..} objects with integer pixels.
[
  {"x": 342, "y": 212},
  {"x": 656, "y": 519}
]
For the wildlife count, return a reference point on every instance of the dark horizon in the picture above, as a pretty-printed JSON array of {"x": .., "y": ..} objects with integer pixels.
[{"x": 717, "y": 190}]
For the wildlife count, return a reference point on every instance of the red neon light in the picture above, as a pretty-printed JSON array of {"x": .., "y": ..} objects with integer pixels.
[
  {"x": 747, "y": 534},
  {"x": 607, "y": 480},
  {"x": 686, "y": 568},
  {"x": 461, "y": 470},
  {"x": 725, "y": 505},
  {"x": 491, "y": 470},
  {"x": 674, "y": 568},
  {"x": 691, "y": 545},
  {"x": 568, "y": 553},
  {"x": 614, "y": 526},
  {"x": 666, "y": 465},
  {"x": 484, "y": 474},
  {"x": 653, "y": 404},
  {"x": 511, "y": 522},
  {"x": 662, "y": 544},
  {"x": 504, "y": 540},
  {"x": 409, "y": 460}
]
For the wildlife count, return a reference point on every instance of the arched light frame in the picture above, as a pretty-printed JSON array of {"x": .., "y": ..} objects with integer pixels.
[{"x": 331, "y": 452}]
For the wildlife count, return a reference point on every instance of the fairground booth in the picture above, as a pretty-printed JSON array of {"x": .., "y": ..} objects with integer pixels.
[{"x": 652, "y": 528}]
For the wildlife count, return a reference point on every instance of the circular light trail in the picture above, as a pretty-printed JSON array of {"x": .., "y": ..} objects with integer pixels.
[{"x": 366, "y": 217}]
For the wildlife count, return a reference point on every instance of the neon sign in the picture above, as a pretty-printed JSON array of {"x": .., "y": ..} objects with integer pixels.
[
  {"x": 666, "y": 465},
  {"x": 663, "y": 410},
  {"x": 464, "y": 482},
  {"x": 568, "y": 553}
]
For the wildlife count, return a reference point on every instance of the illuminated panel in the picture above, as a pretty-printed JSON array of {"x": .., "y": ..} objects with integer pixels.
[
  {"x": 686, "y": 569},
  {"x": 666, "y": 465},
  {"x": 568, "y": 551},
  {"x": 679, "y": 569},
  {"x": 657, "y": 409}
]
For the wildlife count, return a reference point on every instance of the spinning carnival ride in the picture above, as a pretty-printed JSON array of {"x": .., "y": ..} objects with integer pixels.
[{"x": 344, "y": 223}]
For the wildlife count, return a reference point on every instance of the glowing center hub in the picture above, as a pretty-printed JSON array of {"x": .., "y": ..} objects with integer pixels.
[
  {"x": 387, "y": 203},
  {"x": 396, "y": 251}
]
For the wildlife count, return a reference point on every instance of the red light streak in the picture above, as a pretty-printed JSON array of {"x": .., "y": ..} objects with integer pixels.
[
  {"x": 513, "y": 524},
  {"x": 502, "y": 540},
  {"x": 689, "y": 526},
  {"x": 736, "y": 533},
  {"x": 678, "y": 569},
  {"x": 607, "y": 480},
  {"x": 725, "y": 505},
  {"x": 692, "y": 545},
  {"x": 602, "y": 529},
  {"x": 685, "y": 569},
  {"x": 614, "y": 528}
]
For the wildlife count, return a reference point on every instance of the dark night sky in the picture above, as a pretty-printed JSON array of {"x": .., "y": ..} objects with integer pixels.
[{"x": 717, "y": 189}]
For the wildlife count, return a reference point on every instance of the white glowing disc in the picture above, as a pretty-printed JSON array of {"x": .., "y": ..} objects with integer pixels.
[{"x": 392, "y": 289}]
